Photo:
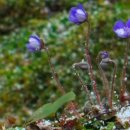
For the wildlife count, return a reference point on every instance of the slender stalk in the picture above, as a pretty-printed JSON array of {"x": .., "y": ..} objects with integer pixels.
[
  {"x": 104, "y": 79},
  {"x": 90, "y": 69},
  {"x": 85, "y": 87},
  {"x": 55, "y": 75},
  {"x": 59, "y": 85},
  {"x": 113, "y": 83},
  {"x": 123, "y": 78}
]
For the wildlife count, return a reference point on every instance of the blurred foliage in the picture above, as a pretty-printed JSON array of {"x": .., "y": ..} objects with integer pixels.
[
  {"x": 15, "y": 13},
  {"x": 22, "y": 10},
  {"x": 26, "y": 81}
]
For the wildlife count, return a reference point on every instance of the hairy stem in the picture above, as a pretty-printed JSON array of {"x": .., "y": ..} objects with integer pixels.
[
  {"x": 90, "y": 69},
  {"x": 113, "y": 83},
  {"x": 123, "y": 77},
  {"x": 104, "y": 80},
  {"x": 85, "y": 87},
  {"x": 55, "y": 75}
]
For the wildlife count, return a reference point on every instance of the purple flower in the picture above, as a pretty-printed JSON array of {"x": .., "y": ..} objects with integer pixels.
[
  {"x": 34, "y": 43},
  {"x": 104, "y": 54},
  {"x": 122, "y": 29},
  {"x": 77, "y": 14},
  {"x": 105, "y": 60}
]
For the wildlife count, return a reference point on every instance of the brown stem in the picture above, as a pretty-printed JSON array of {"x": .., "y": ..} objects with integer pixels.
[
  {"x": 123, "y": 78},
  {"x": 55, "y": 75},
  {"x": 104, "y": 79},
  {"x": 85, "y": 87},
  {"x": 90, "y": 69},
  {"x": 113, "y": 83}
]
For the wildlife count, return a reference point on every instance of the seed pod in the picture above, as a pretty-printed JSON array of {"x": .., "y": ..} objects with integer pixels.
[
  {"x": 105, "y": 63},
  {"x": 81, "y": 65}
]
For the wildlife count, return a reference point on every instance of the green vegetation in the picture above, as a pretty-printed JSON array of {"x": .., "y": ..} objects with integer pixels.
[
  {"x": 26, "y": 82},
  {"x": 51, "y": 108}
]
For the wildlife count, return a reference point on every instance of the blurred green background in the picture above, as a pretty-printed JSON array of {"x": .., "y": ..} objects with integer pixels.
[{"x": 25, "y": 78}]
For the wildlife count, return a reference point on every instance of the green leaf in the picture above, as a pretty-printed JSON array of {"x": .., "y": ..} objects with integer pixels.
[
  {"x": 42, "y": 112},
  {"x": 51, "y": 108},
  {"x": 110, "y": 126},
  {"x": 16, "y": 128},
  {"x": 64, "y": 99}
]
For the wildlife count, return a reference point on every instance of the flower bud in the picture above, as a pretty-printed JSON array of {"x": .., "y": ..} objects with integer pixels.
[
  {"x": 77, "y": 14},
  {"x": 34, "y": 44}
]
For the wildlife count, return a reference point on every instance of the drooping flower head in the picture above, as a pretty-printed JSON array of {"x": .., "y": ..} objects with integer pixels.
[
  {"x": 104, "y": 54},
  {"x": 34, "y": 44},
  {"x": 104, "y": 60},
  {"x": 78, "y": 14},
  {"x": 122, "y": 29}
]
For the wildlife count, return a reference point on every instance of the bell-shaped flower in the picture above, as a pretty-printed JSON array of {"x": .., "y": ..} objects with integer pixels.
[
  {"x": 34, "y": 43},
  {"x": 78, "y": 14},
  {"x": 122, "y": 29}
]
